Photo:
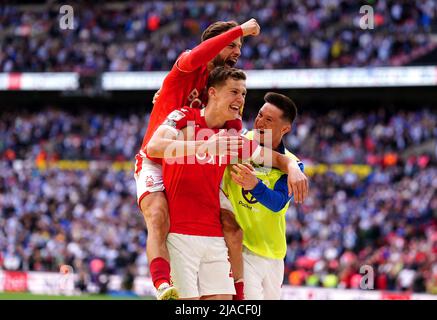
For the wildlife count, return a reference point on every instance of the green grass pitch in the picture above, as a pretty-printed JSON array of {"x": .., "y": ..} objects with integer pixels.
[{"x": 31, "y": 296}]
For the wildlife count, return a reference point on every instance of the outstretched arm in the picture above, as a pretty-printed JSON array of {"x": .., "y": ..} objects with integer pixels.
[
  {"x": 208, "y": 49},
  {"x": 275, "y": 200},
  {"x": 171, "y": 139},
  {"x": 165, "y": 144},
  {"x": 297, "y": 181}
]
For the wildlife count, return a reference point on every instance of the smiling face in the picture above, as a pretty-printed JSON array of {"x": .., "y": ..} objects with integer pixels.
[
  {"x": 229, "y": 98},
  {"x": 229, "y": 55},
  {"x": 270, "y": 119}
]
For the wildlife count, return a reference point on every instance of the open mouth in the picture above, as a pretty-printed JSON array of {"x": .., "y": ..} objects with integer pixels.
[
  {"x": 235, "y": 108},
  {"x": 231, "y": 62}
]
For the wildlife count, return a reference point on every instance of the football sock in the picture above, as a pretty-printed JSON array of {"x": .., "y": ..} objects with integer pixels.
[
  {"x": 160, "y": 271},
  {"x": 239, "y": 290}
]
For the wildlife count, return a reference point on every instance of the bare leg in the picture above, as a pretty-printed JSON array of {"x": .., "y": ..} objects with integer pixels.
[
  {"x": 234, "y": 241},
  {"x": 155, "y": 212}
]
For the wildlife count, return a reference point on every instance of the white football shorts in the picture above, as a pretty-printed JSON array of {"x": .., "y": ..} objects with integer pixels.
[
  {"x": 148, "y": 176},
  {"x": 263, "y": 277},
  {"x": 199, "y": 265}
]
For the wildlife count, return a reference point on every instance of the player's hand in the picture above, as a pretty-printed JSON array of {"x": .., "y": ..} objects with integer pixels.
[
  {"x": 244, "y": 175},
  {"x": 298, "y": 184},
  {"x": 156, "y": 95},
  {"x": 250, "y": 28},
  {"x": 222, "y": 144}
]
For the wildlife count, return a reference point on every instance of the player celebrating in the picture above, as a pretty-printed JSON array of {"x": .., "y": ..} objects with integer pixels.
[
  {"x": 192, "y": 189},
  {"x": 260, "y": 199},
  {"x": 148, "y": 173},
  {"x": 198, "y": 252},
  {"x": 183, "y": 86}
]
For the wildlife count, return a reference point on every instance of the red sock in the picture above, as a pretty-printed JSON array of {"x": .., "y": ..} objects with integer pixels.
[
  {"x": 160, "y": 271},
  {"x": 239, "y": 291}
]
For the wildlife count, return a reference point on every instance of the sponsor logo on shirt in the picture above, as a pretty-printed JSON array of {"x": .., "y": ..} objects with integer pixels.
[
  {"x": 193, "y": 99},
  {"x": 241, "y": 203}
]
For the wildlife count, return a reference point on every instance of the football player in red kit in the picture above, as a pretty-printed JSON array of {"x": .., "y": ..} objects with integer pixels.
[
  {"x": 192, "y": 172},
  {"x": 198, "y": 252},
  {"x": 183, "y": 86}
]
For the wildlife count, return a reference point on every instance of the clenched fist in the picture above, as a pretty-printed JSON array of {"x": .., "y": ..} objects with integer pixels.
[{"x": 250, "y": 28}]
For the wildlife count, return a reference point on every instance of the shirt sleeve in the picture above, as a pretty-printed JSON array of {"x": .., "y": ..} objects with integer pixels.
[
  {"x": 179, "y": 118},
  {"x": 275, "y": 199},
  {"x": 207, "y": 50}
]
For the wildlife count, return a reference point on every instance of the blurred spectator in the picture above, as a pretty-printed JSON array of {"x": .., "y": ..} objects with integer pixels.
[
  {"x": 89, "y": 218},
  {"x": 376, "y": 138},
  {"x": 137, "y": 36}
]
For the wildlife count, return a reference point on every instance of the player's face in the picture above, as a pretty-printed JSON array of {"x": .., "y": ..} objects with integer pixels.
[
  {"x": 269, "y": 119},
  {"x": 231, "y": 97},
  {"x": 229, "y": 55}
]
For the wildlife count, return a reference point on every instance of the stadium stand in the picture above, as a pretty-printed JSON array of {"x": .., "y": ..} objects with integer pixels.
[
  {"x": 146, "y": 36},
  {"x": 67, "y": 192},
  {"x": 83, "y": 213}
]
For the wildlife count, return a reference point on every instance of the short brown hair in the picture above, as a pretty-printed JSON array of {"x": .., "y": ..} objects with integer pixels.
[
  {"x": 218, "y": 28},
  {"x": 219, "y": 75},
  {"x": 289, "y": 109}
]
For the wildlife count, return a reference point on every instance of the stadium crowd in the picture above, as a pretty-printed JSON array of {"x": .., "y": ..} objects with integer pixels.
[
  {"x": 144, "y": 36},
  {"x": 374, "y": 137},
  {"x": 88, "y": 218},
  {"x": 387, "y": 221}
]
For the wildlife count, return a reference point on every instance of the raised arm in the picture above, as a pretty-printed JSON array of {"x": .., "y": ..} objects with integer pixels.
[{"x": 208, "y": 49}]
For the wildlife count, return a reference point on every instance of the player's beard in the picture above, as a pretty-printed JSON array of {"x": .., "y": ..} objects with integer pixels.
[{"x": 219, "y": 62}]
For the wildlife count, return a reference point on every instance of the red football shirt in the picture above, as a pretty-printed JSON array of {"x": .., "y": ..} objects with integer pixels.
[
  {"x": 192, "y": 187},
  {"x": 185, "y": 85}
]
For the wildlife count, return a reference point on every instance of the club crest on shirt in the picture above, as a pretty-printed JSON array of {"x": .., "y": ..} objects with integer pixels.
[
  {"x": 248, "y": 196},
  {"x": 149, "y": 181}
]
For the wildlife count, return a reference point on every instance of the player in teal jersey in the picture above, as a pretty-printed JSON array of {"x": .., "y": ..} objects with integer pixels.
[{"x": 259, "y": 198}]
